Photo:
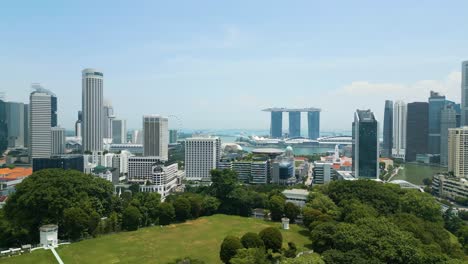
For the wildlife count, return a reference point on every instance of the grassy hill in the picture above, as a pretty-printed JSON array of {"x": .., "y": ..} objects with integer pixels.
[{"x": 199, "y": 239}]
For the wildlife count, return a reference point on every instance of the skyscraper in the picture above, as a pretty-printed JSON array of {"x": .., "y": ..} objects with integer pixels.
[
  {"x": 79, "y": 124},
  {"x": 464, "y": 88},
  {"x": 448, "y": 119},
  {"x": 40, "y": 120},
  {"x": 26, "y": 125},
  {"x": 92, "y": 84},
  {"x": 15, "y": 121},
  {"x": 173, "y": 136},
  {"x": 155, "y": 136},
  {"x": 417, "y": 127},
  {"x": 458, "y": 151},
  {"x": 313, "y": 122},
  {"x": 119, "y": 131},
  {"x": 399, "y": 130},
  {"x": 108, "y": 116},
  {"x": 365, "y": 145},
  {"x": 388, "y": 129},
  {"x": 436, "y": 103},
  {"x": 3, "y": 127},
  {"x": 201, "y": 156},
  {"x": 58, "y": 140},
  {"x": 294, "y": 124},
  {"x": 276, "y": 130}
]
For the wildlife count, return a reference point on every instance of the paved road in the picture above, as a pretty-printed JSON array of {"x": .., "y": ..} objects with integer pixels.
[{"x": 395, "y": 172}]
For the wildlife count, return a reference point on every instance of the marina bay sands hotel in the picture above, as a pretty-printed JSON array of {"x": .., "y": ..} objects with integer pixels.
[{"x": 313, "y": 121}]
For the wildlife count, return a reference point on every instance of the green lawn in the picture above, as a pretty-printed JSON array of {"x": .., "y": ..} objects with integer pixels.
[
  {"x": 415, "y": 173},
  {"x": 39, "y": 256},
  {"x": 200, "y": 239}
]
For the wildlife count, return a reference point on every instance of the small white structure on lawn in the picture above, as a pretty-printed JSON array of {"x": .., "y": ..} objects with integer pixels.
[
  {"x": 48, "y": 235},
  {"x": 285, "y": 223}
]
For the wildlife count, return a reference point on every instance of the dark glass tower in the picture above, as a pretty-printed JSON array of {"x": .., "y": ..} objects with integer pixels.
[
  {"x": 294, "y": 124},
  {"x": 53, "y": 113},
  {"x": 276, "y": 130},
  {"x": 436, "y": 103},
  {"x": 388, "y": 129},
  {"x": 313, "y": 122},
  {"x": 417, "y": 128},
  {"x": 366, "y": 145},
  {"x": 3, "y": 127}
]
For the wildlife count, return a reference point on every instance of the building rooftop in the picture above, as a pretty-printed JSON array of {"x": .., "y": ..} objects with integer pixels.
[
  {"x": 13, "y": 174},
  {"x": 296, "y": 192},
  {"x": 268, "y": 151},
  {"x": 284, "y": 109},
  {"x": 365, "y": 115}
]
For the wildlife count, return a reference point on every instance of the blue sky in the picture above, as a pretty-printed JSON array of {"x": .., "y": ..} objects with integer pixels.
[{"x": 216, "y": 64}]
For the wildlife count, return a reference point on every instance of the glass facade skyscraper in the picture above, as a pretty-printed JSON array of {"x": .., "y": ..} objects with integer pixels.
[
  {"x": 436, "y": 103},
  {"x": 276, "y": 130},
  {"x": 365, "y": 145},
  {"x": 416, "y": 129},
  {"x": 388, "y": 129},
  {"x": 313, "y": 123},
  {"x": 464, "y": 88},
  {"x": 448, "y": 120}
]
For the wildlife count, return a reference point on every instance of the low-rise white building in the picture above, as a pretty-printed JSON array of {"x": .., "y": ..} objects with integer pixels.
[
  {"x": 296, "y": 196},
  {"x": 48, "y": 236}
]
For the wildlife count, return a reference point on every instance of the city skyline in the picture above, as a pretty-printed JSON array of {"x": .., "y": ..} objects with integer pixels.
[{"x": 276, "y": 60}]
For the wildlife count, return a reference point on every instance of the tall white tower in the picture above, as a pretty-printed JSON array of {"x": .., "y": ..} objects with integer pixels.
[
  {"x": 155, "y": 136},
  {"x": 40, "y": 108},
  {"x": 92, "y": 83},
  {"x": 399, "y": 130}
]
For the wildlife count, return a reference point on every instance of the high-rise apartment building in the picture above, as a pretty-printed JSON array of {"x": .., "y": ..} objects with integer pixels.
[
  {"x": 436, "y": 103},
  {"x": 119, "y": 131},
  {"x": 92, "y": 108},
  {"x": 58, "y": 140},
  {"x": 201, "y": 156},
  {"x": 464, "y": 93},
  {"x": 388, "y": 129},
  {"x": 399, "y": 130},
  {"x": 448, "y": 119},
  {"x": 417, "y": 129},
  {"x": 365, "y": 145},
  {"x": 40, "y": 121},
  {"x": 155, "y": 136},
  {"x": 458, "y": 151}
]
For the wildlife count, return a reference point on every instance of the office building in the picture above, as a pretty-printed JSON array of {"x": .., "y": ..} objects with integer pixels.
[
  {"x": 155, "y": 136},
  {"x": 79, "y": 125},
  {"x": 172, "y": 136},
  {"x": 313, "y": 122},
  {"x": 26, "y": 126},
  {"x": 294, "y": 124},
  {"x": 417, "y": 129},
  {"x": 323, "y": 172},
  {"x": 243, "y": 170},
  {"x": 107, "y": 118},
  {"x": 15, "y": 121},
  {"x": 201, "y": 156},
  {"x": 92, "y": 108},
  {"x": 464, "y": 88},
  {"x": 399, "y": 130},
  {"x": 436, "y": 103},
  {"x": 366, "y": 145},
  {"x": 259, "y": 172},
  {"x": 40, "y": 121},
  {"x": 450, "y": 187},
  {"x": 66, "y": 162},
  {"x": 298, "y": 197},
  {"x": 448, "y": 119},
  {"x": 119, "y": 131},
  {"x": 282, "y": 171},
  {"x": 3, "y": 127},
  {"x": 458, "y": 151},
  {"x": 137, "y": 137},
  {"x": 388, "y": 129},
  {"x": 58, "y": 140}
]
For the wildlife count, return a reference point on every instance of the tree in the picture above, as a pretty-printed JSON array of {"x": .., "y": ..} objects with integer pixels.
[
  {"x": 223, "y": 183},
  {"x": 310, "y": 215},
  {"x": 195, "y": 205},
  {"x": 250, "y": 256},
  {"x": 353, "y": 210},
  {"x": 422, "y": 205},
  {"x": 291, "y": 211},
  {"x": 229, "y": 248},
  {"x": 252, "y": 240},
  {"x": 291, "y": 251},
  {"x": 182, "y": 209},
  {"x": 166, "y": 213},
  {"x": 272, "y": 238},
  {"x": 43, "y": 197},
  {"x": 276, "y": 207},
  {"x": 305, "y": 259},
  {"x": 131, "y": 218},
  {"x": 75, "y": 223},
  {"x": 135, "y": 188},
  {"x": 210, "y": 205},
  {"x": 322, "y": 203},
  {"x": 187, "y": 260}
]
